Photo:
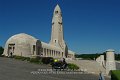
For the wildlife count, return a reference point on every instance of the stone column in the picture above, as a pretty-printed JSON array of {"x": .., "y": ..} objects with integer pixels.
[
  {"x": 45, "y": 52},
  {"x": 50, "y": 53},
  {"x": 110, "y": 61}
]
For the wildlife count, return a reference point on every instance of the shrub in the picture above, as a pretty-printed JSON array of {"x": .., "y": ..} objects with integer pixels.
[
  {"x": 115, "y": 75},
  {"x": 19, "y": 58},
  {"x": 35, "y": 60},
  {"x": 28, "y": 58},
  {"x": 47, "y": 60},
  {"x": 1, "y": 51},
  {"x": 32, "y": 60},
  {"x": 87, "y": 56},
  {"x": 2, "y": 56},
  {"x": 72, "y": 66}
]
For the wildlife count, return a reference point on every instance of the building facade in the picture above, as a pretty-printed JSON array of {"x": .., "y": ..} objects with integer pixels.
[{"x": 25, "y": 45}]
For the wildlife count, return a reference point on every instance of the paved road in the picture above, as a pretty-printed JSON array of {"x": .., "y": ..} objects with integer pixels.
[{"x": 11, "y": 69}]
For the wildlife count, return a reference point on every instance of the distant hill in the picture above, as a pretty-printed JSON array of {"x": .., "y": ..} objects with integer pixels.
[
  {"x": 87, "y": 56},
  {"x": 94, "y": 56}
]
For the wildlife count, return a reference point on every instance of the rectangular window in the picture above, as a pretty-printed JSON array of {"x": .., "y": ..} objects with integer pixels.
[{"x": 33, "y": 47}]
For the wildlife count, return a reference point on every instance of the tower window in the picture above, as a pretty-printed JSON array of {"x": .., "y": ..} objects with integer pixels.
[
  {"x": 56, "y": 12},
  {"x": 59, "y": 23},
  {"x": 55, "y": 41},
  {"x": 52, "y": 23}
]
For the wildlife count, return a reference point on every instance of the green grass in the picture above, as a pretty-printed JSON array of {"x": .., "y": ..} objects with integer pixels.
[
  {"x": 35, "y": 60},
  {"x": 73, "y": 66},
  {"x": 21, "y": 58},
  {"x": 115, "y": 75}
]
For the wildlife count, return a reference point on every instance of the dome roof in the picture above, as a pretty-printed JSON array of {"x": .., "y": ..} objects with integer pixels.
[
  {"x": 22, "y": 43},
  {"x": 110, "y": 50},
  {"x": 21, "y": 38}
]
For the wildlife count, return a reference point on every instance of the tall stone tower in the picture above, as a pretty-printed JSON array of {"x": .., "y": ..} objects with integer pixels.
[
  {"x": 110, "y": 61},
  {"x": 57, "y": 37}
]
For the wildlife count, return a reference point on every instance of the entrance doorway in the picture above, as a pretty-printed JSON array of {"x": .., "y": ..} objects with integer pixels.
[{"x": 11, "y": 48}]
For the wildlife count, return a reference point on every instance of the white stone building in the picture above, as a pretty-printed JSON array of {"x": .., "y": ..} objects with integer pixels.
[{"x": 25, "y": 45}]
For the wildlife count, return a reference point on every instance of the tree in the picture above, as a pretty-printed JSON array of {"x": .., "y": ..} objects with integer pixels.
[
  {"x": 1, "y": 50},
  {"x": 88, "y": 56}
]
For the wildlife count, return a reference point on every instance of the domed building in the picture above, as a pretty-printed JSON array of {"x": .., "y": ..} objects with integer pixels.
[
  {"x": 25, "y": 45},
  {"x": 22, "y": 45}
]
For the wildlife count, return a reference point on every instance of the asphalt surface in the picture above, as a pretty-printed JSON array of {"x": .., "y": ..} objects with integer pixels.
[{"x": 11, "y": 69}]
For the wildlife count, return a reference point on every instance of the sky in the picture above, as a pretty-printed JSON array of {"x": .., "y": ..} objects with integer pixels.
[{"x": 90, "y": 26}]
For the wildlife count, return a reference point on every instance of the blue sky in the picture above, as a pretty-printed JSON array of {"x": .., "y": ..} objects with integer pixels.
[{"x": 90, "y": 26}]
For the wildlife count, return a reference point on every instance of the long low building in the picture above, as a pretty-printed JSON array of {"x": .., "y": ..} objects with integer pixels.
[{"x": 26, "y": 45}]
